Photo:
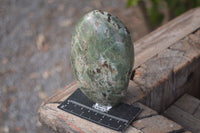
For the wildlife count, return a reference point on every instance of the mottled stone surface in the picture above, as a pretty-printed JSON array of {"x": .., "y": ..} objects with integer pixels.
[{"x": 102, "y": 57}]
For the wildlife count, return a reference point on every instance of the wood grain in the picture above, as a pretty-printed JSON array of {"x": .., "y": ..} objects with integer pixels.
[
  {"x": 197, "y": 113},
  {"x": 161, "y": 78},
  {"x": 146, "y": 111},
  {"x": 58, "y": 97},
  {"x": 167, "y": 62},
  {"x": 156, "y": 124},
  {"x": 185, "y": 111},
  {"x": 185, "y": 119},
  {"x": 188, "y": 103},
  {"x": 160, "y": 39}
]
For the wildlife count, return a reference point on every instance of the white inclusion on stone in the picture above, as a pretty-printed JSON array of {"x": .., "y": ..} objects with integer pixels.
[
  {"x": 89, "y": 16},
  {"x": 101, "y": 108}
]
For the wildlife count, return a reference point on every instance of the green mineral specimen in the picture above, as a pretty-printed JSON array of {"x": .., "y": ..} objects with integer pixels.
[{"x": 102, "y": 57}]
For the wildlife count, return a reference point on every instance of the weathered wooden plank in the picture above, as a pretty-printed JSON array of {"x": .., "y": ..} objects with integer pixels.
[
  {"x": 157, "y": 124},
  {"x": 197, "y": 113},
  {"x": 146, "y": 111},
  {"x": 61, "y": 121},
  {"x": 160, "y": 39},
  {"x": 188, "y": 103},
  {"x": 185, "y": 119},
  {"x": 170, "y": 68},
  {"x": 161, "y": 78},
  {"x": 163, "y": 72},
  {"x": 61, "y": 94}
]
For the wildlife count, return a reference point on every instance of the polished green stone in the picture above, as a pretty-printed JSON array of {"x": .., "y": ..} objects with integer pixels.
[{"x": 102, "y": 57}]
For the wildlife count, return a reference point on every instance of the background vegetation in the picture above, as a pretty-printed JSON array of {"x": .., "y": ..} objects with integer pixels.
[{"x": 158, "y": 11}]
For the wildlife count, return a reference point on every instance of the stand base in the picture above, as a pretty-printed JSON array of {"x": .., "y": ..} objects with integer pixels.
[{"x": 117, "y": 118}]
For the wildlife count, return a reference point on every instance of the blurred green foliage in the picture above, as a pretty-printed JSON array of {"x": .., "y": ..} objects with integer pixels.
[
  {"x": 132, "y": 2},
  {"x": 155, "y": 11}
]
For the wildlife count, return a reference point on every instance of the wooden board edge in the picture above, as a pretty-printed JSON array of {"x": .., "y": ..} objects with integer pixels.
[
  {"x": 61, "y": 93},
  {"x": 158, "y": 40}
]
